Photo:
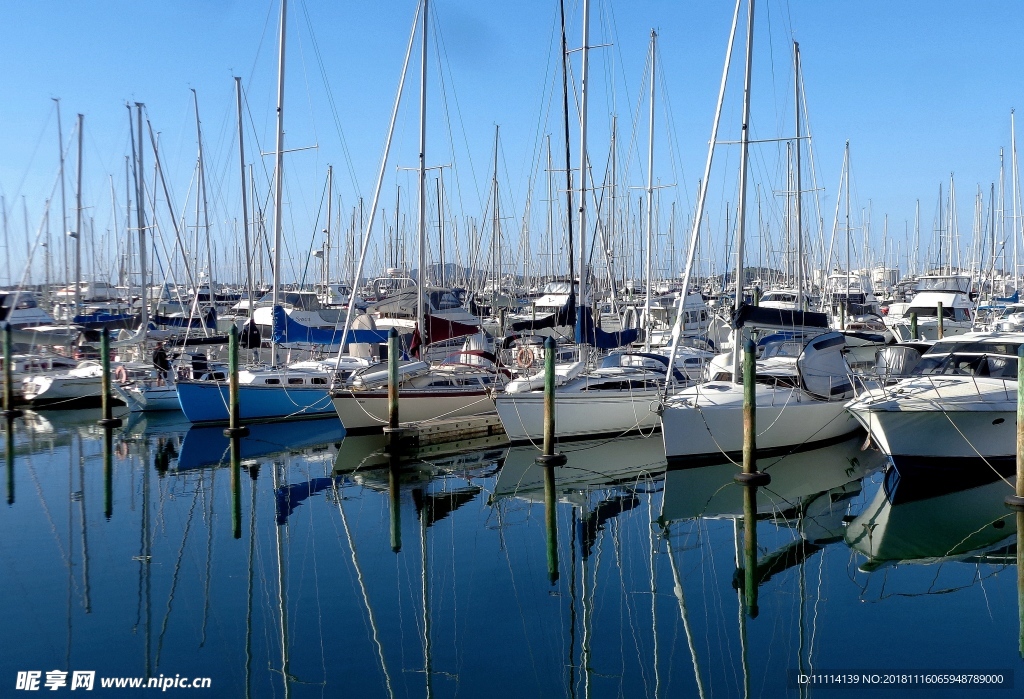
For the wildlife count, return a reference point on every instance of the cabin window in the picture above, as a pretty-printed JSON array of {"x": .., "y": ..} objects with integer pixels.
[
  {"x": 295, "y": 382},
  {"x": 272, "y": 381},
  {"x": 318, "y": 380},
  {"x": 441, "y": 382}
]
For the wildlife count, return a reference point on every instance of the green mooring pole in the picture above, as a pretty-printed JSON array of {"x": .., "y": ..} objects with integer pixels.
[
  {"x": 1016, "y": 501},
  {"x": 234, "y": 430},
  {"x": 549, "y": 457},
  {"x": 939, "y": 313},
  {"x": 108, "y": 420},
  {"x": 9, "y": 410},
  {"x": 913, "y": 326},
  {"x": 750, "y": 475},
  {"x": 393, "y": 432}
]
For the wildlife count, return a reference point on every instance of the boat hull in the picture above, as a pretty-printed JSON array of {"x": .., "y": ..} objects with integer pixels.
[
  {"x": 367, "y": 411},
  {"x": 704, "y": 425},
  {"x": 578, "y": 415},
  {"x": 207, "y": 402}
]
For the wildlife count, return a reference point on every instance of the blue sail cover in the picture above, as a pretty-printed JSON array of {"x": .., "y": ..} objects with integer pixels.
[
  {"x": 588, "y": 332},
  {"x": 290, "y": 331}
]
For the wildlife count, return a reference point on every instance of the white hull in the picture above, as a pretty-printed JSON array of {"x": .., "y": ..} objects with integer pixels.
[
  {"x": 150, "y": 398},
  {"x": 579, "y": 414},
  {"x": 366, "y": 410},
  {"x": 78, "y": 384},
  {"x": 713, "y": 430},
  {"x": 942, "y": 417}
]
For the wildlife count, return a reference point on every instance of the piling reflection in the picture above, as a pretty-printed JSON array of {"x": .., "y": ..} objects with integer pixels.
[{"x": 452, "y": 571}]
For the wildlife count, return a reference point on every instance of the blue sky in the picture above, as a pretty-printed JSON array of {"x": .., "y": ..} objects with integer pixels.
[{"x": 920, "y": 90}]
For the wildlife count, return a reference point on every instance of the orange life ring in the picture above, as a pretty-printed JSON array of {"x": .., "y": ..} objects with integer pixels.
[
  {"x": 524, "y": 357},
  {"x": 121, "y": 374}
]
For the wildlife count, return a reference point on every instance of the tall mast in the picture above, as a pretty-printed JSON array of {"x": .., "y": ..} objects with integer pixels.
[
  {"x": 78, "y": 222},
  {"x": 278, "y": 174},
  {"x": 849, "y": 268},
  {"x": 245, "y": 206},
  {"x": 495, "y": 229},
  {"x": 798, "y": 193},
  {"x": 206, "y": 210},
  {"x": 580, "y": 337},
  {"x": 551, "y": 208},
  {"x": 421, "y": 320},
  {"x": 917, "y": 236},
  {"x": 440, "y": 221},
  {"x": 327, "y": 234},
  {"x": 63, "y": 198},
  {"x": 702, "y": 191},
  {"x": 140, "y": 209},
  {"x": 1014, "y": 193},
  {"x": 742, "y": 203},
  {"x": 650, "y": 197}
]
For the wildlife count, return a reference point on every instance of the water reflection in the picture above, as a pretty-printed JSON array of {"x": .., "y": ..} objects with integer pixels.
[{"x": 321, "y": 564}]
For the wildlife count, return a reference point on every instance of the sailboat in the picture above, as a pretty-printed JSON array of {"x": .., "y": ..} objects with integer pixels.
[
  {"x": 295, "y": 391},
  {"x": 800, "y": 396}
]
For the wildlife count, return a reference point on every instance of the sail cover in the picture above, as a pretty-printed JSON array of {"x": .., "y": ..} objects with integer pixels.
[{"x": 288, "y": 331}]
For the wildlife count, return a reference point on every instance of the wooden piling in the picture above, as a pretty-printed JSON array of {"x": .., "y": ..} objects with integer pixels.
[
  {"x": 1020, "y": 582},
  {"x": 551, "y": 522},
  {"x": 108, "y": 420},
  {"x": 913, "y": 326},
  {"x": 750, "y": 476},
  {"x": 9, "y": 457},
  {"x": 236, "y": 488},
  {"x": 1016, "y": 501},
  {"x": 9, "y": 410},
  {"x": 395, "y": 500},
  {"x": 549, "y": 457},
  {"x": 234, "y": 430},
  {"x": 393, "y": 378},
  {"x": 750, "y": 550},
  {"x": 940, "y": 333},
  {"x": 108, "y": 473}
]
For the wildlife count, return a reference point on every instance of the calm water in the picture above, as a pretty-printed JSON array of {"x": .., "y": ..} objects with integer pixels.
[{"x": 319, "y": 569}]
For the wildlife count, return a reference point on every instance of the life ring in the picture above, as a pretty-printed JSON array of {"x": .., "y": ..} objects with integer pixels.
[
  {"x": 524, "y": 357},
  {"x": 121, "y": 374}
]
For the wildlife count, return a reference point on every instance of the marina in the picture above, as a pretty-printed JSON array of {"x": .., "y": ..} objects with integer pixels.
[{"x": 356, "y": 372}]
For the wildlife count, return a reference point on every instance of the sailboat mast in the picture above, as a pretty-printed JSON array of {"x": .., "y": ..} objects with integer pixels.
[
  {"x": 63, "y": 197},
  {"x": 650, "y": 197},
  {"x": 422, "y": 184},
  {"x": 798, "y": 191},
  {"x": 244, "y": 185},
  {"x": 278, "y": 175},
  {"x": 584, "y": 72},
  {"x": 849, "y": 269},
  {"x": 742, "y": 203},
  {"x": 78, "y": 223},
  {"x": 206, "y": 210},
  {"x": 140, "y": 211}
]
